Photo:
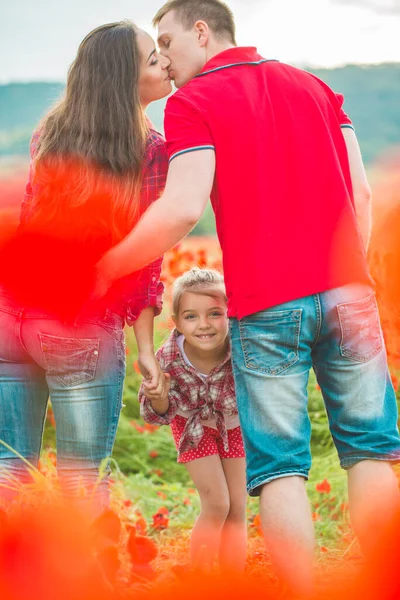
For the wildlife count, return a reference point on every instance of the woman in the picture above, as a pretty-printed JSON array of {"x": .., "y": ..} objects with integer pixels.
[{"x": 97, "y": 165}]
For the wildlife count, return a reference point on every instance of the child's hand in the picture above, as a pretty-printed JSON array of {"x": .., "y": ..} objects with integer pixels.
[{"x": 159, "y": 394}]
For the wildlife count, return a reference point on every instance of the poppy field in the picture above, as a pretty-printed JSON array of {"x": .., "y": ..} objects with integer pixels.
[{"x": 140, "y": 547}]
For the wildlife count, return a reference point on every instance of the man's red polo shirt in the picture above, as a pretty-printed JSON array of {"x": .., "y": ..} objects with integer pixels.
[{"x": 282, "y": 195}]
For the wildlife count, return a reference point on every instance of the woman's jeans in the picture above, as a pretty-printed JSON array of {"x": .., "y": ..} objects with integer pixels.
[{"x": 81, "y": 366}]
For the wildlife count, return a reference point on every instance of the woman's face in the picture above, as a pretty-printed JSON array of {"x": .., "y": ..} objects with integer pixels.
[{"x": 154, "y": 81}]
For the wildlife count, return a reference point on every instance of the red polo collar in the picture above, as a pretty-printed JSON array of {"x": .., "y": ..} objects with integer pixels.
[{"x": 231, "y": 58}]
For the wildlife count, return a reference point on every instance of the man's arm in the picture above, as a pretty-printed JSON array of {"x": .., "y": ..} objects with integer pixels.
[
  {"x": 167, "y": 221},
  {"x": 361, "y": 189}
]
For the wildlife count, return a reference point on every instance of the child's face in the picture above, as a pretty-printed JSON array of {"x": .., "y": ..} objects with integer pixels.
[{"x": 202, "y": 320}]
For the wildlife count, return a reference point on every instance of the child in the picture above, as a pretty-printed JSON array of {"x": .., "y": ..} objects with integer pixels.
[{"x": 200, "y": 405}]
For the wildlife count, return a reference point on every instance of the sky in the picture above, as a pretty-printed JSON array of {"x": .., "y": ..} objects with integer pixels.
[{"x": 39, "y": 38}]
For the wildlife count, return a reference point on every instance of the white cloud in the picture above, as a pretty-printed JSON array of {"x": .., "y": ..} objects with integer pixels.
[
  {"x": 38, "y": 40},
  {"x": 378, "y": 6}
]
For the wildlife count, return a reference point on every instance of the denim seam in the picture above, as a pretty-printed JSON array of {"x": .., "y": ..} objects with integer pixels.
[
  {"x": 10, "y": 311},
  {"x": 318, "y": 309},
  {"x": 262, "y": 479},
  {"x": 18, "y": 332},
  {"x": 353, "y": 460},
  {"x": 274, "y": 372},
  {"x": 121, "y": 377},
  {"x": 43, "y": 426}
]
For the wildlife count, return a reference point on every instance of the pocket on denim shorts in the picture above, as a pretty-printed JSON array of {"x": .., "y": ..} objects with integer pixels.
[
  {"x": 270, "y": 340},
  {"x": 72, "y": 361},
  {"x": 361, "y": 337}
]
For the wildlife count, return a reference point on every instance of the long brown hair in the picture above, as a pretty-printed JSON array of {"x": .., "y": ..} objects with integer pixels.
[{"x": 92, "y": 142}]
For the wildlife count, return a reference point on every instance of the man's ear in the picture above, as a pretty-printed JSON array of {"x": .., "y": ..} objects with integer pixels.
[{"x": 203, "y": 32}]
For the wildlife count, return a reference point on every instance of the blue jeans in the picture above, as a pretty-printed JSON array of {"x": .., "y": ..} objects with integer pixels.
[
  {"x": 338, "y": 334},
  {"x": 82, "y": 368}
]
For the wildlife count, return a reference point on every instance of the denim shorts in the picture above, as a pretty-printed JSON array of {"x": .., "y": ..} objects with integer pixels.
[{"x": 338, "y": 334}]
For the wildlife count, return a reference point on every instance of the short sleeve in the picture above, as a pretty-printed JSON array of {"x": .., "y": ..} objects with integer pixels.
[
  {"x": 186, "y": 129},
  {"x": 344, "y": 119},
  {"x": 336, "y": 101}
]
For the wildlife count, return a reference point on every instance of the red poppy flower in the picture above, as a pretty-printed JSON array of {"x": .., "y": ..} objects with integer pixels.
[
  {"x": 137, "y": 426},
  {"x": 136, "y": 367},
  {"x": 142, "y": 549},
  {"x": 256, "y": 524},
  {"x": 315, "y": 517},
  {"x": 150, "y": 428},
  {"x": 160, "y": 518},
  {"x": 108, "y": 525},
  {"x": 324, "y": 487}
]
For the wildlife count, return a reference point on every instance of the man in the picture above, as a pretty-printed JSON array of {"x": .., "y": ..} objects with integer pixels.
[{"x": 280, "y": 158}]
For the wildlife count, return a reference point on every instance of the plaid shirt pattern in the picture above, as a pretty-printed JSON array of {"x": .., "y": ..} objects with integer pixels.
[
  {"x": 210, "y": 398},
  {"x": 141, "y": 289}
]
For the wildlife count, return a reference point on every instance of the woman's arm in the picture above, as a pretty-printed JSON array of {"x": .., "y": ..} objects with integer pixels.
[{"x": 148, "y": 364}]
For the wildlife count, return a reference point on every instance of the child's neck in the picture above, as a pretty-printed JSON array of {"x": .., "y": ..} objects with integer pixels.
[{"x": 205, "y": 360}]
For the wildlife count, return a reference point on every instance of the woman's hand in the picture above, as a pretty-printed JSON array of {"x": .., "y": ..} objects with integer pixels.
[
  {"x": 153, "y": 376},
  {"x": 158, "y": 395}
]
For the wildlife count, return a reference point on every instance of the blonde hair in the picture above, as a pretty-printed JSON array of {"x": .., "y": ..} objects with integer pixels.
[{"x": 207, "y": 282}]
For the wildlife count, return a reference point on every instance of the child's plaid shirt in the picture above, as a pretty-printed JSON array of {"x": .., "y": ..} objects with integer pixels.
[{"x": 213, "y": 397}]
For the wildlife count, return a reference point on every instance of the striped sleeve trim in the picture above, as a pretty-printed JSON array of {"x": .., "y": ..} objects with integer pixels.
[
  {"x": 347, "y": 126},
  {"x": 194, "y": 149}
]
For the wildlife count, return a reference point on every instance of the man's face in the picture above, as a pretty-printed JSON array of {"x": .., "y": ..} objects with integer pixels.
[{"x": 185, "y": 49}]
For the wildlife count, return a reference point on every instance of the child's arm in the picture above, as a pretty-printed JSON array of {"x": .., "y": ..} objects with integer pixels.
[{"x": 154, "y": 379}]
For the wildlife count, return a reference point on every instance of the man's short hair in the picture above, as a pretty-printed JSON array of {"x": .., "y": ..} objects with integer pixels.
[{"x": 215, "y": 13}]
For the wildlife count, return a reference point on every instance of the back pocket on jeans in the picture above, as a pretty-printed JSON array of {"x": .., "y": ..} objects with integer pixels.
[
  {"x": 72, "y": 361},
  {"x": 361, "y": 330},
  {"x": 270, "y": 340}
]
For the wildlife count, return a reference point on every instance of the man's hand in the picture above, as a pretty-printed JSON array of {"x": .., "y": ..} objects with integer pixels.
[{"x": 102, "y": 283}]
